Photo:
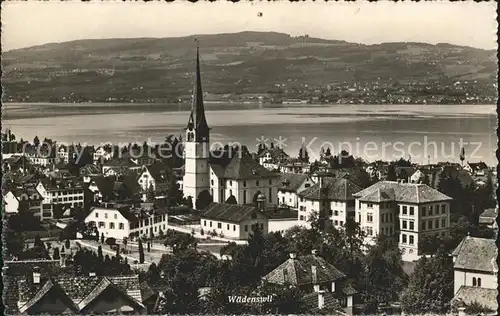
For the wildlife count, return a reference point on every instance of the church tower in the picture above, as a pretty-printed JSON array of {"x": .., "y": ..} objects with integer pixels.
[{"x": 197, "y": 145}]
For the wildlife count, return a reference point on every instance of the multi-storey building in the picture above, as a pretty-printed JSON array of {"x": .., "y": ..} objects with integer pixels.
[
  {"x": 65, "y": 192},
  {"x": 291, "y": 185},
  {"x": 404, "y": 211},
  {"x": 336, "y": 201},
  {"x": 123, "y": 221},
  {"x": 25, "y": 198}
]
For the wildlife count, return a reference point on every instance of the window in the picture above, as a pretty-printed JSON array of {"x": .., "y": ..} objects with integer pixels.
[
  {"x": 436, "y": 223},
  {"x": 121, "y": 226},
  {"x": 412, "y": 211},
  {"x": 424, "y": 209},
  {"x": 244, "y": 197},
  {"x": 369, "y": 217},
  {"x": 246, "y": 228},
  {"x": 270, "y": 195},
  {"x": 359, "y": 217},
  {"x": 105, "y": 215},
  {"x": 112, "y": 225},
  {"x": 423, "y": 225},
  {"x": 405, "y": 210},
  {"x": 210, "y": 223},
  {"x": 219, "y": 225},
  {"x": 257, "y": 182},
  {"x": 369, "y": 231},
  {"x": 101, "y": 224},
  {"x": 443, "y": 208},
  {"x": 443, "y": 222},
  {"x": 429, "y": 224},
  {"x": 234, "y": 227},
  {"x": 212, "y": 182},
  {"x": 227, "y": 226},
  {"x": 270, "y": 181},
  {"x": 412, "y": 239},
  {"x": 96, "y": 215},
  {"x": 390, "y": 230},
  {"x": 405, "y": 224},
  {"x": 330, "y": 212},
  {"x": 474, "y": 283},
  {"x": 336, "y": 222},
  {"x": 430, "y": 210},
  {"x": 116, "y": 216},
  {"x": 336, "y": 213},
  {"x": 479, "y": 282},
  {"x": 301, "y": 217},
  {"x": 404, "y": 238},
  {"x": 390, "y": 217},
  {"x": 341, "y": 223},
  {"x": 412, "y": 225},
  {"x": 230, "y": 182},
  {"x": 369, "y": 205},
  {"x": 244, "y": 184},
  {"x": 205, "y": 223}
]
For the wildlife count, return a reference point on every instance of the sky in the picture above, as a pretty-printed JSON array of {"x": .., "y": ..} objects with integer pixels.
[{"x": 462, "y": 23}]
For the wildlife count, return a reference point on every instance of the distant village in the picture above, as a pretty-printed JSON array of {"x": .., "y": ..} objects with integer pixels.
[{"x": 147, "y": 229}]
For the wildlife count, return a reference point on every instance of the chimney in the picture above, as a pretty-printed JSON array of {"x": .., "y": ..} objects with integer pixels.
[
  {"x": 293, "y": 255},
  {"x": 36, "y": 275},
  {"x": 321, "y": 299},
  {"x": 314, "y": 273}
]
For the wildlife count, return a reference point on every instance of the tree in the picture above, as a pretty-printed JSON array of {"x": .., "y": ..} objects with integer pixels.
[
  {"x": 462, "y": 156},
  {"x": 179, "y": 241},
  {"x": 36, "y": 141},
  {"x": 303, "y": 154},
  {"x": 189, "y": 202},
  {"x": 99, "y": 253},
  {"x": 391, "y": 173},
  {"x": 38, "y": 242},
  {"x": 431, "y": 286},
  {"x": 56, "y": 255},
  {"x": 204, "y": 199},
  {"x": 102, "y": 238},
  {"x": 149, "y": 246},
  {"x": 141, "y": 252}
]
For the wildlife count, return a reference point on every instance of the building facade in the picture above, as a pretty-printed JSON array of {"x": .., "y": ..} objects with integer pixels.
[{"x": 405, "y": 212}]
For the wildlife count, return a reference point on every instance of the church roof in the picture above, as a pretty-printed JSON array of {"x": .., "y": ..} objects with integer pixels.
[
  {"x": 241, "y": 166},
  {"x": 233, "y": 213}
]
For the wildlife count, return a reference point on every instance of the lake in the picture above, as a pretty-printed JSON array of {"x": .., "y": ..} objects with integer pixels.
[{"x": 426, "y": 133}]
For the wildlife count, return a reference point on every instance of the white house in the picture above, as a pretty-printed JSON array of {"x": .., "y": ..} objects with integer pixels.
[
  {"x": 156, "y": 176},
  {"x": 290, "y": 185},
  {"x": 337, "y": 201},
  {"x": 475, "y": 272},
  {"x": 103, "y": 154},
  {"x": 232, "y": 220},
  {"x": 121, "y": 222},
  {"x": 476, "y": 169},
  {"x": 404, "y": 211},
  {"x": 29, "y": 199},
  {"x": 271, "y": 158}
]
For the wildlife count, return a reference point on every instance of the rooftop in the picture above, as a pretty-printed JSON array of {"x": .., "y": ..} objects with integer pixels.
[
  {"x": 477, "y": 254},
  {"x": 233, "y": 213},
  {"x": 334, "y": 189},
  {"x": 401, "y": 192}
]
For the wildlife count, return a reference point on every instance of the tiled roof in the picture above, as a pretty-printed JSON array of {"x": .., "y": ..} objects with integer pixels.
[
  {"x": 233, "y": 213},
  {"x": 330, "y": 304},
  {"x": 477, "y": 254},
  {"x": 298, "y": 271},
  {"x": 477, "y": 166},
  {"x": 276, "y": 153},
  {"x": 159, "y": 171},
  {"x": 468, "y": 295},
  {"x": 402, "y": 192},
  {"x": 335, "y": 189},
  {"x": 488, "y": 216},
  {"x": 240, "y": 167},
  {"x": 90, "y": 170},
  {"x": 291, "y": 182},
  {"x": 404, "y": 172},
  {"x": 80, "y": 290}
]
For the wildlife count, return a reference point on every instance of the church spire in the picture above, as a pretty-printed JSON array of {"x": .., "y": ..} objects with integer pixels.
[{"x": 197, "y": 119}]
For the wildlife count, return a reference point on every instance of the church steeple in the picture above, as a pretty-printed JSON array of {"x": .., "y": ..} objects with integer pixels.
[{"x": 197, "y": 126}]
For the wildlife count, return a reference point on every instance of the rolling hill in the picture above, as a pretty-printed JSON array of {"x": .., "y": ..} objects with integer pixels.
[{"x": 248, "y": 62}]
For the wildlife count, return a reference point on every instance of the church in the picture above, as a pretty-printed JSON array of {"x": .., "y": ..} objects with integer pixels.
[{"x": 227, "y": 174}]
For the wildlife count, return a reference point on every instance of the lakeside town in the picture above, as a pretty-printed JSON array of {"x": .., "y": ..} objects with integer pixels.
[{"x": 182, "y": 228}]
